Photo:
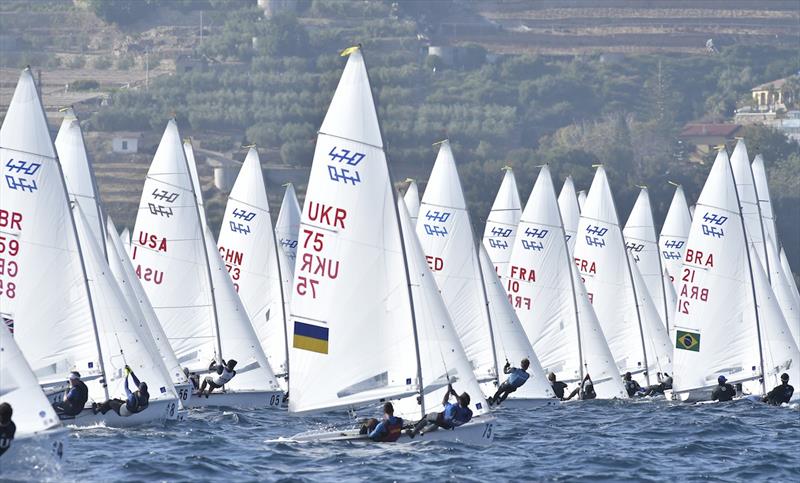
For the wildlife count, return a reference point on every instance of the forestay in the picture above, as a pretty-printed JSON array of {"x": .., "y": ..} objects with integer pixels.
[
  {"x": 351, "y": 340},
  {"x": 551, "y": 303},
  {"x": 674, "y": 232},
  {"x": 501, "y": 225},
  {"x": 33, "y": 413},
  {"x": 642, "y": 244},
  {"x": 411, "y": 199},
  {"x": 446, "y": 236},
  {"x": 79, "y": 175},
  {"x": 247, "y": 246},
  {"x": 636, "y": 337},
  {"x": 570, "y": 212},
  {"x": 287, "y": 227}
]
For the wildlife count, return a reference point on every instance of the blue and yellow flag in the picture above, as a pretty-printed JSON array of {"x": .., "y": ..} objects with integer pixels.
[
  {"x": 688, "y": 341},
  {"x": 310, "y": 337}
]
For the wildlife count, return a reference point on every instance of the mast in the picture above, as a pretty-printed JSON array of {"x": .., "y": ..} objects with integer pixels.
[
  {"x": 205, "y": 254},
  {"x": 403, "y": 249},
  {"x": 750, "y": 271}
]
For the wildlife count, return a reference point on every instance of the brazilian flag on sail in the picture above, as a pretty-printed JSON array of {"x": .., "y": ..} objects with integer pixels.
[{"x": 688, "y": 341}]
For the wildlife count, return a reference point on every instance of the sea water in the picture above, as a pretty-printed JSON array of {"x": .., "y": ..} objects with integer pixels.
[{"x": 592, "y": 440}]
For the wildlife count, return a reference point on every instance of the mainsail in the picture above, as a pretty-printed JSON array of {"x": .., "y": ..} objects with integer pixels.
[
  {"x": 287, "y": 227},
  {"x": 570, "y": 212},
  {"x": 411, "y": 199},
  {"x": 501, "y": 226},
  {"x": 674, "y": 232}
]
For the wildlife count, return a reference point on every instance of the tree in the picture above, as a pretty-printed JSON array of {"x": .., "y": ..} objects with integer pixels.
[{"x": 284, "y": 36}]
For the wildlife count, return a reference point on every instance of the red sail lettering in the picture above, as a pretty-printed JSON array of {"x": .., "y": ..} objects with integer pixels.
[{"x": 322, "y": 214}]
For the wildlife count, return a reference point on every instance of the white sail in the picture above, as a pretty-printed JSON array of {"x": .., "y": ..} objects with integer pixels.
[
  {"x": 550, "y": 300},
  {"x": 674, "y": 232},
  {"x": 247, "y": 246},
  {"x": 501, "y": 226},
  {"x": 748, "y": 200},
  {"x": 442, "y": 357},
  {"x": 511, "y": 343},
  {"x": 642, "y": 244},
  {"x": 446, "y": 236},
  {"x": 18, "y": 387},
  {"x": 765, "y": 201},
  {"x": 168, "y": 252},
  {"x": 622, "y": 305},
  {"x": 79, "y": 175},
  {"x": 411, "y": 199},
  {"x": 787, "y": 272},
  {"x": 188, "y": 149},
  {"x": 783, "y": 291},
  {"x": 351, "y": 340},
  {"x": 715, "y": 321},
  {"x": 134, "y": 293},
  {"x": 44, "y": 292},
  {"x": 287, "y": 227},
  {"x": 125, "y": 235},
  {"x": 581, "y": 199},
  {"x": 570, "y": 212},
  {"x": 125, "y": 338}
]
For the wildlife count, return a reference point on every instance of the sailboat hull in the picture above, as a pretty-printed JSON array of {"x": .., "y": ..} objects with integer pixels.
[
  {"x": 239, "y": 399},
  {"x": 528, "y": 403},
  {"x": 157, "y": 412},
  {"x": 479, "y": 431}
]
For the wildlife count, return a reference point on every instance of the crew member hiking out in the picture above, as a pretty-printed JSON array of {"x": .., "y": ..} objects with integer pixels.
[
  {"x": 136, "y": 401},
  {"x": 224, "y": 375},
  {"x": 780, "y": 394},
  {"x": 7, "y": 427},
  {"x": 558, "y": 386},
  {"x": 386, "y": 431},
  {"x": 453, "y": 415},
  {"x": 631, "y": 386},
  {"x": 518, "y": 376},
  {"x": 74, "y": 398}
]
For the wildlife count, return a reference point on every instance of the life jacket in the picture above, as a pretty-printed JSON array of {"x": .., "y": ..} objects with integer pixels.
[{"x": 394, "y": 428}]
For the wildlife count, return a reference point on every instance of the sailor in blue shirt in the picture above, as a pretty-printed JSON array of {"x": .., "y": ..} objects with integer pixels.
[
  {"x": 517, "y": 377},
  {"x": 453, "y": 415},
  {"x": 136, "y": 401},
  {"x": 74, "y": 398},
  {"x": 388, "y": 430}
]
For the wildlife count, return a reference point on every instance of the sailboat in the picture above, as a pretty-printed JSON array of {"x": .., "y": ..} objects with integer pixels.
[
  {"x": 446, "y": 235},
  {"x": 552, "y": 304},
  {"x": 728, "y": 321},
  {"x": 188, "y": 285},
  {"x": 411, "y": 199},
  {"x": 570, "y": 212},
  {"x": 256, "y": 263},
  {"x": 501, "y": 225},
  {"x": 674, "y": 232},
  {"x": 749, "y": 201},
  {"x": 287, "y": 228},
  {"x": 642, "y": 243},
  {"x": 787, "y": 272},
  {"x": 82, "y": 188},
  {"x": 83, "y": 323},
  {"x": 362, "y": 311},
  {"x": 39, "y": 430},
  {"x": 637, "y": 338}
]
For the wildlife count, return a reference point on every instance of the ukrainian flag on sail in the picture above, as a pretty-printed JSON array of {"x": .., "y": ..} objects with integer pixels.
[
  {"x": 310, "y": 337},
  {"x": 688, "y": 341}
]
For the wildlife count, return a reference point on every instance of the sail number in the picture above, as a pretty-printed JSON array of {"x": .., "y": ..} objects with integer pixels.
[
  {"x": 9, "y": 250},
  {"x": 314, "y": 265}
]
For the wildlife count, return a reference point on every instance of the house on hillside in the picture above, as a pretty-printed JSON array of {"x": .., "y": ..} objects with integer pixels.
[
  {"x": 706, "y": 136},
  {"x": 126, "y": 142},
  {"x": 771, "y": 96}
]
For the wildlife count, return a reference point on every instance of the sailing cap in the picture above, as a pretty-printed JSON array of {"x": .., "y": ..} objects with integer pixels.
[
  {"x": 74, "y": 376},
  {"x": 784, "y": 377},
  {"x": 721, "y": 379}
]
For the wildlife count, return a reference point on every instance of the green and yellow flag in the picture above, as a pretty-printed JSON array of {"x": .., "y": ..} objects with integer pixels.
[{"x": 688, "y": 341}]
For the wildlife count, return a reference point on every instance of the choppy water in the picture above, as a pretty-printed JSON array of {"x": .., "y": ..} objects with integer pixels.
[{"x": 595, "y": 440}]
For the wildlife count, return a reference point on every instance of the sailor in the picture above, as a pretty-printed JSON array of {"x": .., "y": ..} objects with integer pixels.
[
  {"x": 631, "y": 386},
  {"x": 780, "y": 394},
  {"x": 586, "y": 390},
  {"x": 453, "y": 415},
  {"x": 724, "y": 391},
  {"x": 7, "y": 427},
  {"x": 558, "y": 386},
  {"x": 136, "y": 402},
  {"x": 664, "y": 383},
  {"x": 388, "y": 430},
  {"x": 518, "y": 376},
  {"x": 74, "y": 398},
  {"x": 192, "y": 377},
  {"x": 224, "y": 372}
]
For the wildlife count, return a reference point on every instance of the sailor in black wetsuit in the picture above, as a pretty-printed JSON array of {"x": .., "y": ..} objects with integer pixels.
[
  {"x": 585, "y": 391},
  {"x": 724, "y": 391},
  {"x": 558, "y": 386},
  {"x": 664, "y": 383},
  {"x": 631, "y": 386},
  {"x": 74, "y": 398},
  {"x": 780, "y": 394},
  {"x": 7, "y": 427}
]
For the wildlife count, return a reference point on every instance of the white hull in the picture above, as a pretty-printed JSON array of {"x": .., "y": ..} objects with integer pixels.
[
  {"x": 43, "y": 450},
  {"x": 238, "y": 399},
  {"x": 525, "y": 403},
  {"x": 185, "y": 393},
  {"x": 479, "y": 431},
  {"x": 157, "y": 412}
]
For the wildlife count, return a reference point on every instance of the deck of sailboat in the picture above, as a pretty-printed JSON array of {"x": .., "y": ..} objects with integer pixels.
[{"x": 238, "y": 399}]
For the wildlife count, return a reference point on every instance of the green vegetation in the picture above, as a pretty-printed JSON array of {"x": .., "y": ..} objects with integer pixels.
[{"x": 270, "y": 81}]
